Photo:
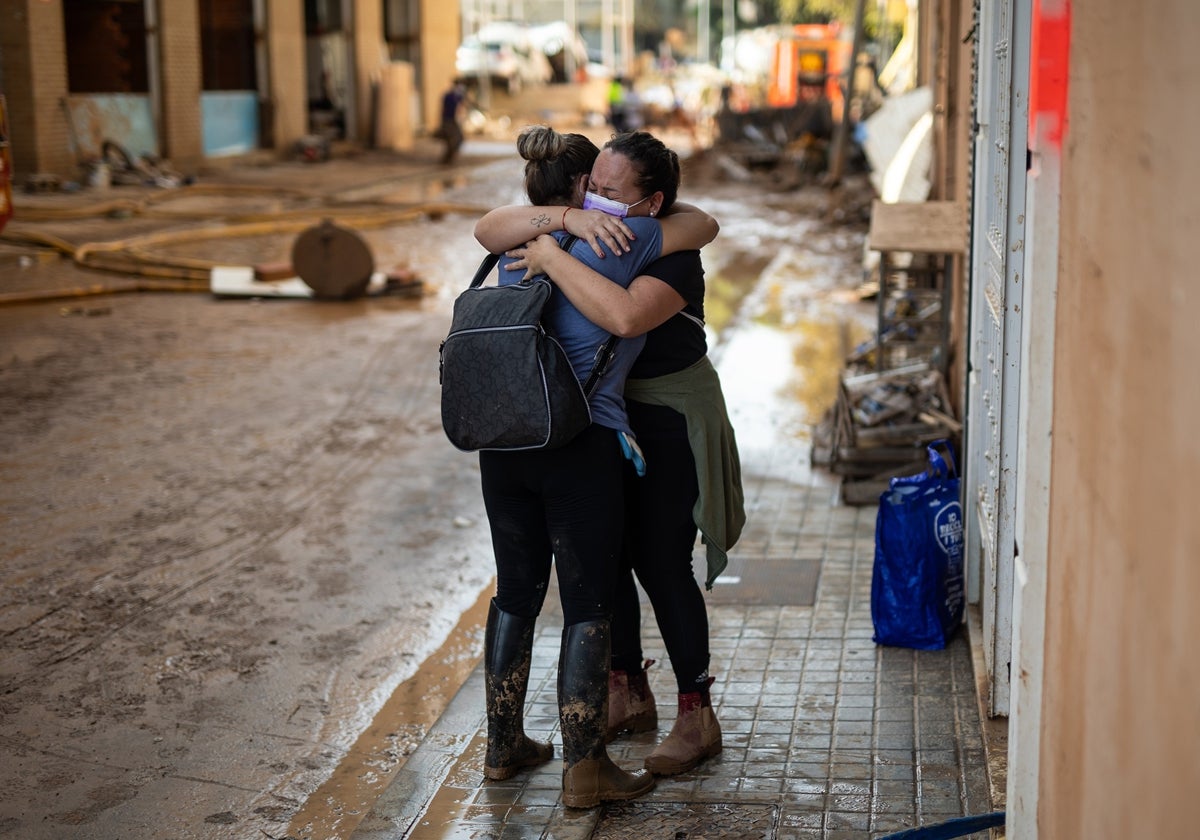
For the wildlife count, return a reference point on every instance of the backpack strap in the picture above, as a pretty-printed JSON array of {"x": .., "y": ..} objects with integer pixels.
[{"x": 485, "y": 267}]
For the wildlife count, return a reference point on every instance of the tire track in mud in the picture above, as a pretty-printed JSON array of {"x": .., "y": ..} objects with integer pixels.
[
  {"x": 314, "y": 478},
  {"x": 153, "y": 624},
  {"x": 117, "y": 598},
  {"x": 384, "y": 413}
]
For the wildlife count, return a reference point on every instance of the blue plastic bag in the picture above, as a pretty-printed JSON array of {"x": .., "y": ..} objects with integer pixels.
[{"x": 917, "y": 582}]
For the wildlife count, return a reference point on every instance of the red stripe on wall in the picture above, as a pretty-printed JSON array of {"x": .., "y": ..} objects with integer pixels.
[{"x": 1051, "y": 55}]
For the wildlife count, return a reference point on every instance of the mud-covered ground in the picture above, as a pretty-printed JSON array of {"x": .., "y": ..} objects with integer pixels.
[{"x": 242, "y": 568}]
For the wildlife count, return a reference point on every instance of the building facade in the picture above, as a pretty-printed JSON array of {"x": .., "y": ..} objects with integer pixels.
[
  {"x": 1065, "y": 132},
  {"x": 189, "y": 80}
]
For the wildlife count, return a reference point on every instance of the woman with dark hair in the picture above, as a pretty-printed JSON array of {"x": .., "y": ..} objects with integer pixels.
[
  {"x": 566, "y": 504},
  {"x": 692, "y": 480}
]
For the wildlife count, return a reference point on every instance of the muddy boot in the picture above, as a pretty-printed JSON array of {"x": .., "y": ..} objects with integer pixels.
[
  {"x": 630, "y": 703},
  {"x": 695, "y": 736},
  {"x": 589, "y": 775},
  {"x": 508, "y": 648}
]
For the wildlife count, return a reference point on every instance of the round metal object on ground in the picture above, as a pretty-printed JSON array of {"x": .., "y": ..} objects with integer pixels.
[{"x": 333, "y": 261}]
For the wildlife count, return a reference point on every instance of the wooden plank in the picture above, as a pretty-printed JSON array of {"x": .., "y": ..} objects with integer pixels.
[
  {"x": 910, "y": 433},
  {"x": 845, "y": 423},
  {"x": 927, "y": 227},
  {"x": 866, "y": 491},
  {"x": 881, "y": 456},
  {"x": 932, "y": 415},
  {"x": 861, "y": 493},
  {"x": 858, "y": 472},
  {"x": 858, "y": 382}
]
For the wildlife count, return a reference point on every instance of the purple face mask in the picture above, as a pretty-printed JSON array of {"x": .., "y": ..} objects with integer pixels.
[{"x": 594, "y": 201}]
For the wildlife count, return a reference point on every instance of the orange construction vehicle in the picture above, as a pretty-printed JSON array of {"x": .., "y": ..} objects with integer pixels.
[{"x": 810, "y": 62}]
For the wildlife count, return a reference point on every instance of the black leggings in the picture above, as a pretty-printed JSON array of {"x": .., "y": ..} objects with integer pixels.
[
  {"x": 660, "y": 535},
  {"x": 565, "y": 503}
]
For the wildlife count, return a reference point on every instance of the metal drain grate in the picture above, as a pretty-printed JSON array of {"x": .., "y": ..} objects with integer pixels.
[{"x": 682, "y": 821}]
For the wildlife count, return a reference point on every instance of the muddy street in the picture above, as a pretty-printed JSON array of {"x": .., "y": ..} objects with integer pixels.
[{"x": 243, "y": 570}]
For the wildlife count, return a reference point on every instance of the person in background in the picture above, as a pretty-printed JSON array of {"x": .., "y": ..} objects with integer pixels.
[
  {"x": 631, "y": 107},
  {"x": 451, "y": 130},
  {"x": 616, "y": 110}
]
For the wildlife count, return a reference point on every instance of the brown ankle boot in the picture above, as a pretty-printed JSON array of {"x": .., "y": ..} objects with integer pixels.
[
  {"x": 695, "y": 736},
  {"x": 630, "y": 702},
  {"x": 591, "y": 781},
  {"x": 589, "y": 775}
]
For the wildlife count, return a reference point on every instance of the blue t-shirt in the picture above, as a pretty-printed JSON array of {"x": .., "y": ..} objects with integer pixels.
[{"x": 581, "y": 338}]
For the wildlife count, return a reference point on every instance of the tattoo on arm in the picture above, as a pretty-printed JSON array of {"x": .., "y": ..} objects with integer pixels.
[{"x": 540, "y": 221}]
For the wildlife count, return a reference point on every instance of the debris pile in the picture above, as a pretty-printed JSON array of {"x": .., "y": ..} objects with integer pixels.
[
  {"x": 116, "y": 167},
  {"x": 878, "y": 428}
]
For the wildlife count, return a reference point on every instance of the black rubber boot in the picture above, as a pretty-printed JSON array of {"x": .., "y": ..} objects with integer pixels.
[
  {"x": 508, "y": 648},
  {"x": 589, "y": 775}
]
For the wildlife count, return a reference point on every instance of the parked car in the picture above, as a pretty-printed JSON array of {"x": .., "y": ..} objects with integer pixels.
[{"x": 505, "y": 56}]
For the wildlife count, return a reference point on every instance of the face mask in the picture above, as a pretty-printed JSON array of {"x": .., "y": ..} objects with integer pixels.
[{"x": 593, "y": 201}]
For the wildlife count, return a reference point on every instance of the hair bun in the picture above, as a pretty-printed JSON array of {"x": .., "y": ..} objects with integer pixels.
[{"x": 540, "y": 142}]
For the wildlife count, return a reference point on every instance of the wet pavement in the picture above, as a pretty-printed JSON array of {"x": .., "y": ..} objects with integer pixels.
[
  {"x": 233, "y": 536},
  {"x": 827, "y": 736},
  {"x": 227, "y": 591}
]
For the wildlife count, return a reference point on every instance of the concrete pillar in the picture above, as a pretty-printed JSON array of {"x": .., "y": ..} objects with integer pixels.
[
  {"x": 180, "y": 73},
  {"x": 441, "y": 32},
  {"x": 394, "y": 126},
  {"x": 370, "y": 57},
  {"x": 32, "y": 47},
  {"x": 287, "y": 94}
]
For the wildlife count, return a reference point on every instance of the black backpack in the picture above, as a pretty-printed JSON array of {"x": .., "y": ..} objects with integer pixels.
[{"x": 507, "y": 383}]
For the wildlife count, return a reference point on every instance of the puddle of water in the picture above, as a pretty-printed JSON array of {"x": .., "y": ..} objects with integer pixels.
[
  {"x": 783, "y": 322},
  {"x": 727, "y": 285},
  {"x": 755, "y": 368},
  {"x": 820, "y": 351}
]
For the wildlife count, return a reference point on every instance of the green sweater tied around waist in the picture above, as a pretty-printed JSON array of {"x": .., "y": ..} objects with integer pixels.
[{"x": 720, "y": 512}]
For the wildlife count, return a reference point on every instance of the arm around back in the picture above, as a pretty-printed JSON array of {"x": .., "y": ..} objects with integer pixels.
[
  {"x": 516, "y": 224},
  {"x": 687, "y": 228},
  {"x": 627, "y": 312},
  {"x": 506, "y": 227}
]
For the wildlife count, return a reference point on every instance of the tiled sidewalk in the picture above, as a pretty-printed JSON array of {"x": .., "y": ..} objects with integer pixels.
[{"x": 826, "y": 735}]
